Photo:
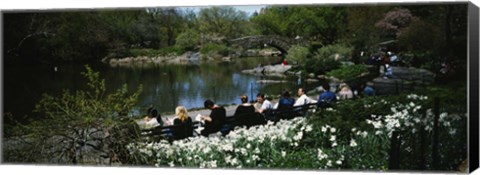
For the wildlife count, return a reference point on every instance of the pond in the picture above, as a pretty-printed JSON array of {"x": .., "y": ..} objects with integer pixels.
[{"x": 164, "y": 86}]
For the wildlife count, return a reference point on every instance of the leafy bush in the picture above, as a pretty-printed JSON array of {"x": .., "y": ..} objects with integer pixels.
[
  {"x": 188, "y": 40},
  {"x": 298, "y": 54},
  {"x": 348, "y": 72},
  {"x": 88, "y": 127},
  {"x": 327, "y": 58},
  {"x": 214, "y": 50},
  {"x": 331, "y": 51}
]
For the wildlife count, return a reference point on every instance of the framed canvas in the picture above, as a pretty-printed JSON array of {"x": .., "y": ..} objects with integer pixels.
[{"x": 262, "y": 87}]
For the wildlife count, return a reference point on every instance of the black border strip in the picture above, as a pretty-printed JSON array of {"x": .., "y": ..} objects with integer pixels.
[{"x": 473, "y": 65}]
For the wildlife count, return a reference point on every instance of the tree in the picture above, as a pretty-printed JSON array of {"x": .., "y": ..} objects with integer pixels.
[
  {"x": 81, "y": 127},
  {"x": 222, "y": 22},
  {"x": 325, "y": 24},
  {"x": 395, "y": 21},
  {"x": 361, "y": 32},
  {"x": 170, "y": 23},
  {"x": 26, "y": 31}
]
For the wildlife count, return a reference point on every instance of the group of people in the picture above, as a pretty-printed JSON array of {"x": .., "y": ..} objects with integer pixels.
[
  {"x": 249, "y": 114},
  {"x": 182, "y": 122},
  {"x": 328, "y": 97},
  {"x": 387, "y": 59}
]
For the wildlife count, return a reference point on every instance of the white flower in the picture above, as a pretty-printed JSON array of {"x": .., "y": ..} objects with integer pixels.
[
  {"x": 206, "y": 150},
  {"x": 353, "y": 143},
  {"x": 377, "y": 124},
  {"x": 452, "y": 132},
  {"x": 227, "y": 147},
  {"x": 354, "y": 129},
  {"x": 329, "y": 163},
  {"x": 333, "y": 130},
  {"x": 378, "y": 132},
  {"x": 333, "y": 138},
  {"x": 298, "y": 136},
  {"x": 308, "y": 128},
  {"x": 447, "y": 124},
  {"x": 369, "y": 121},
  {"x": 250, "y": 138},
  {"x": 412, "y": 104},
  {"x": 213, "y": 164},
  {"x": 339, "y": 162},
  {"x": 243, "y": 151},
  {"x": 364, "y": 134},
  {"x": 284, "y": 153},
  {"x": 256, "y": 151},
  {"x": 334, "y": 144},
  {"x": 171, "y": 164},
  {"x": 324, "y": 129}
]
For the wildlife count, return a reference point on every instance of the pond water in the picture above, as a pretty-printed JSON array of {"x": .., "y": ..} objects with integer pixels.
[{"x": 164, "y": 86}]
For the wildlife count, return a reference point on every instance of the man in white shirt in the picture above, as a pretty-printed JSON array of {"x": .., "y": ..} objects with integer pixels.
[
  {"x": 263, "y": 103},
  {"x": 303, "y": 98}
]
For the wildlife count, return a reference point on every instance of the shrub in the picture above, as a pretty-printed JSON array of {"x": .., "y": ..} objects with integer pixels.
[
  {"x": 327, "y": 58},
  {"x": 298, "y": 54},
  {"x": 188, "y": 40},
  {"x": 348, "y": 72},
  {"x": 87, "y": 127},
  {"x": 331, "y": 51},
  {"x": 214, "y": 50}
]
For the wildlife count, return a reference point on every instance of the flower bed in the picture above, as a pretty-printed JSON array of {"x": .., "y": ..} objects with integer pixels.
[{"x": 329, "y": 139}]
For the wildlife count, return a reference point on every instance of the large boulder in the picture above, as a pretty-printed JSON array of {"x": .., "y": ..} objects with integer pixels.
[{"x": 404, "y": 79}]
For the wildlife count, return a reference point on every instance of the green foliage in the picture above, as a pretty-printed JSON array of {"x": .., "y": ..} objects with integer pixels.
[
  {"x": 214, "y": 50},
  {"x": 298, "y": 54},
  {"x": 331, "y": 51},
  {"x": 327, "y": 58},
  {"x": 348, "y": 72},
  {"x": 166, "y": 51},
  {"x": 321, "y": 23},
  {"x": 188, "y": 40},
  {"x": 222, "y": 21},
  {"x": 88, "y": 127},
  {"x": 361, "y": 19}
]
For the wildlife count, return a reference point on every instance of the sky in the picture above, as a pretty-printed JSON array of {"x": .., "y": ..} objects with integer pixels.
[{"x": 249, "y": 9}]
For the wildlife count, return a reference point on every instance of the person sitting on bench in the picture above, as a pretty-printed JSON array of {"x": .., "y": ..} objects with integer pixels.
[
  {"x": 215, "y": 121},
  {"x": 326, "y": 98},
  {"x": 244, "y": 112},
  {"x": 182, "y": 124}
]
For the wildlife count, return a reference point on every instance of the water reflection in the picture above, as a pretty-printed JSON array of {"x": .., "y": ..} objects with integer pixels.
[{"x": 164, "y": 86}]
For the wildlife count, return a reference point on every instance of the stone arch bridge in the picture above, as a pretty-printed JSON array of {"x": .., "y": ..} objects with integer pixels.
[{"x": 278, "y": 42}]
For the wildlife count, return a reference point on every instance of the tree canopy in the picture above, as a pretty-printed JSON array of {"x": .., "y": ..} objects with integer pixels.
[{"x": 92, "y": 35}]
